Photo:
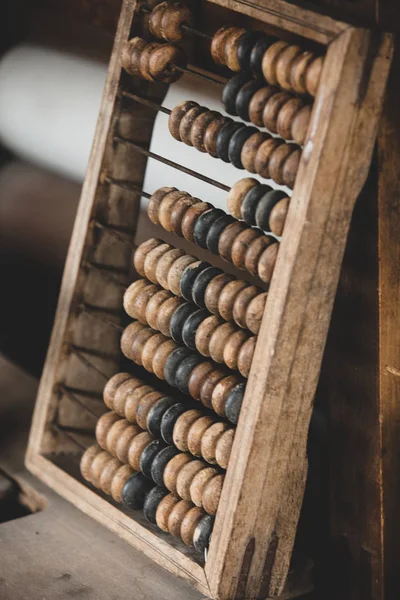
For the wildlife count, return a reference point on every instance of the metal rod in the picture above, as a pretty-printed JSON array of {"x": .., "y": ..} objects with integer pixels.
[
  {"x": 199, "y": 75},
  {"x": 127, "y": 185},
  {"x": 171, "y": 163},
  {"x": 146, "y": 102}
]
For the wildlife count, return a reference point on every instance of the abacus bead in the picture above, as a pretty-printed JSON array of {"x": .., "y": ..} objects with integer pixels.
[
  {"x": 231, "y": 49},
  {"x": 172, "y": 363},
  {"x": 161, "y": 356},
  {"x": 138, "y": 444},
  {"x": 131, "y": 294},
  {"x": 112, "y": 386},
  {"x": 151, "y": 260},
  {"x": 116, "y": 430},
  {"x": 264, "y": 154},
  {"x": 233, "y": 355},
  {"x": 176, "y": 517},
  {"x": 198, "y": 484},
  {"x": 199, "y": 128},
  {"x": 285, "y": 64},
  {"x": 135, "y": 491},
  {"x": 189, "y": 524},
  {"x": 128, "y": 335},
  {"x": 131, "y": 53},
  {"x": 205, "y": 332},
  {"x": 176, "y": 271},
  {"x": 173, "y": 468},
  {"x": 103, "y": 426},
  {"x": 144, "y": 60},
  {"x": 286, "y": 116},
  {"x": 250, "y": 149},
  {"x": 138, "y": 344},
  {"x": 107, "y": 475},
  {"x": 165, "y": 264},
  {"x": 189, "y": 276},
  {"x": 118, "y": 482},
  {"x": 258, "y": 103},
  {"x": 214, "y": 289},
  {"x": 163, "y": 61},
  {"x": 160, "y": 462},
  {"x": 166, "y": 206},
  {"x": 215, "y": 231},
  {"x": 178, "y": 320},
  {"x": 98, "y": 464},
  {"x": 184, "y": 371},
  {"x": 255, "y": 312},
  {"x": 176, "y": 116},
  {"x": 190, "y": 327},
  {"x": 196, "y": 433},
  {"x": 142, "y": 251},
  {"x": 148, "y": 456},
  {"x": 130, "y": 385},
  {"x": 212, "y": 133},
  {"x": 152, "y": 500},
  {"x": 218, "y": 44},
  {"x": 265, "y": 206},
  {"x": 300, "y": 124},
  {"x": 177, "y": 212},
  {"x": 221, "y": 393},
  {"x": 137, "y": 309},
  {"x": 132, "y": 400},
  {"x": 210, "y": 439},
  {"x": 273, "y": 108},
  {"x": 186, "y": 476},
  {"x": 200, "y": 284},
  {"x": 202, "y": 533},
  {"x": 185, "y": 127},
  {"x": 197, "y": 378},
  {"x": 245, "y": 47},
  {"x": 237, "y": 193},
  {"x": 242, "y": 246},
  {"x": 224, "y": 138},
  {"x": 299, "y": 70},
  {"x": 250, "y": 202},
  {"x": 156, "y": 414},
  {"x": 182, "y": 427},
  {"x": 236, "y": 143},
  {"x": 278, "y": 216},
  {"x": 242, "y": 303},
  {"x": 219, "y": 339},
  {"x": 224, "y": 447},
  {"x": 145, "y": 404},
  {"x": 244, "y": 97},
  {"x": 175, "y": 15},
  {"x": 227, "y": 298},
  {"x": 313, "y": 75},
  {"x": 169, "y": 420},
  {"x": 277, "y": 162},
  {"x": 267, "y": 261},
  {"x": 231, "y": 90},
  {"x": 203, "y": 224},
  {"x": 270, "y": 61},
  {"x": 290, "y": 168},
  {"x": 164, "y": 509},
  {"x": 257, "y": 53},
  {"x": 245, "y": 356},
  {"x": 87, "y": 460},
  {"x": 154, "y": 306},
  {"x": 167, "y": 309},
  {"x": 207, "y": 389},
  {"x": 155, "y": 17},
  {"x": 155, "y": 201},
  {"x": 124, "y": 442},
  {"x": 227, "y": 239},
  {"x": 212, "y": 494},
  {"x": 190, "y": 219}
]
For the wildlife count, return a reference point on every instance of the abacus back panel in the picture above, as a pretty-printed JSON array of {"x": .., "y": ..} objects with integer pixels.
[{"x": 191, "y": 442}]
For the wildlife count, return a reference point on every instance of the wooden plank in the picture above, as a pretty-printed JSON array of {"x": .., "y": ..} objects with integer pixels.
[
  {"x": 389, "y": 323},
  {"x": 270, "y": 443}
]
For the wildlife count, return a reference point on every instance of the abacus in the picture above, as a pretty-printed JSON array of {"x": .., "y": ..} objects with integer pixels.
[{"x": 178, "y": 391}]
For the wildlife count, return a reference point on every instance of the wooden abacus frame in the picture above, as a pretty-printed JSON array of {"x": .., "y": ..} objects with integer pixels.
[{"x": 264, "y": 485}]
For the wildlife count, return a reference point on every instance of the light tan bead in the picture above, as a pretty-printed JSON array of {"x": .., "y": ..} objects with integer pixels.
[
  {"x": 112, "y": 387},
  {"x": 210, "y": 439},
  {"x": 218, "y": 44},
  {"x": 154, "y": 202},
  {"x": 270, "y": 60},
  {"x": 250, "y": 149},
  {"x": 154, "y": 306},
  {"x": 233, "y": 350},
  {"x": 227, "y": 298},
  {"x": 242, "y": 245},
  {"x": 138, "y": 444},
  {"x": 120, "y": 478},
  {"x": 219, "y": 340},
  {"x": 277, "y": 162},
  {"x": 176, "y": 271},
  {"x": 149, "y": 350},
  {"x": 185, "y": 128},
  {"x": 204, "y": 333},
  {"x": 290, "y": 168},
  {"x": 245, "y": 356},
  {"x": 144, "y": 60},
  {"x": 198, "y": 484},
  {"x": 178, "y": 212},
  {"x": 103, "y": 427},
  {"x": 264, "y": 155},
  {"x": 185, "y": 477},
  {"x": 176, "y": 516},
  {"x": 173, "y": 469},
  {"x": 241, "y": 304},
  {"x": 114, "y": 433},
  {"x": 278, "y": 216},
  {"x": 151, "y": 260},
  {"x": 129, "y": 335},
  {"x": 199, "y": 128},
  {"x": 141, "y": 253},
  {"x": 164, "y": 265},
  {"x": 135, "y": 305},
  {"x": 98, "y": 464},
  {"x": 285, "y": 65},
  {"x": 190, "y": 218},
  {"x": 132, "y": 401},
  {"x": 224, "y": 447},
  {"x": 124, "y": 442},
  {"x": 208, "y": 387},
  {"x": 258, "y": 103},
  {"x": 107, "y": 475},
  {"x": 301, "y": 123},
  {"x": 176, "y": 116},
  {"x": 313, "y": 75},
  {"x": 166, "y": 205},
  {"x": 255, "y": 311},
  {"x": 189, "y": 524},
  {"x": 138, "y": 344},
  {"x": 212, "y": 493},
  {"x": 164, "y": 510},
  {"x": 131, "y": 294},
  {"x": 131, "y": 53},
  {"x": 273, "y": 109},
  {"x": 145, "y": 405},
  {"x": 231, "y": 49},
  {"x": 166, "y": 310},
  {"x": 213, "y": 291},
  {"x": 237, "y": 193},
  {"x": 182, "y": 427},
  {"x": 87, "y": 460},
  {"x": 221, "y": 392},
  {"x": 228, "y": 237},
  {"x": 286, "y": 117},
  {"x": 161, "y": 356},
  {"x": 198, "y": 377},
  {"x": 299, "y": 72},
  {"x": 267, "y": 262},
  {"x": 196, "y": 432}
]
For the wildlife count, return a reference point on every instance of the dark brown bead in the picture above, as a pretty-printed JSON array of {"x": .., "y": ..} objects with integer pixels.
[{"x": 177, "y": 115}]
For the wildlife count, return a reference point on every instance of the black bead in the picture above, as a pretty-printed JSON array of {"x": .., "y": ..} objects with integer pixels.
[
  {"x": 215, "y": 231},
  {"x": 178, "y": 320},
  {"x": 230, "y": 91},
  {"x": 152, "y": 501},
  {"x": 202, "y": 533},
  {"x": 250, "y": 202},
  {"x": 190, "y": 327},
  {"x": 234, "y": 402},
  {"x": 160, "y": 462},
  {"x": 188, "y": 278},
  {"x": 201, "y": 283},
  {"x": 246, "y": 45},
  {"x": 169, "y": 419},
  {"x": 156, "y": 413},
  {"x": 265, "y": 206},
  {"x": 184, "y": 371},
  {"x": 148, "y": 455},
  {"x": 257, "y": 54},
  {"x": 172, "y": 363},
  {"x": 224, "y": 137},
  {"x": 203, "y": 224},
  {"x": 135, "y": 491},
  {"x": 236, "y": 144},
  {"x": 244, "y": 96}
]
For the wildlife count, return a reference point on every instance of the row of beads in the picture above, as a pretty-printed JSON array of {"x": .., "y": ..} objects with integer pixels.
[
  {"x": 244, "y": 146},
  {"x": 278, "y": 62},
  {"x": 211, "y": 228},
  {"x": 267, "y": 106},
  {"x": 189, "y": 430},
  {"x": 166, "y": 20},
  {"x": 188, "y": 477},
  {"x": 201, "y": 283},
  {"x": 195, "y": 327},
  {"x": 256, "y": 204},
  {"x": 171, "y": 514},
  {"x": 215, "y": 387},
  {"x": 153, "y": 61}
]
